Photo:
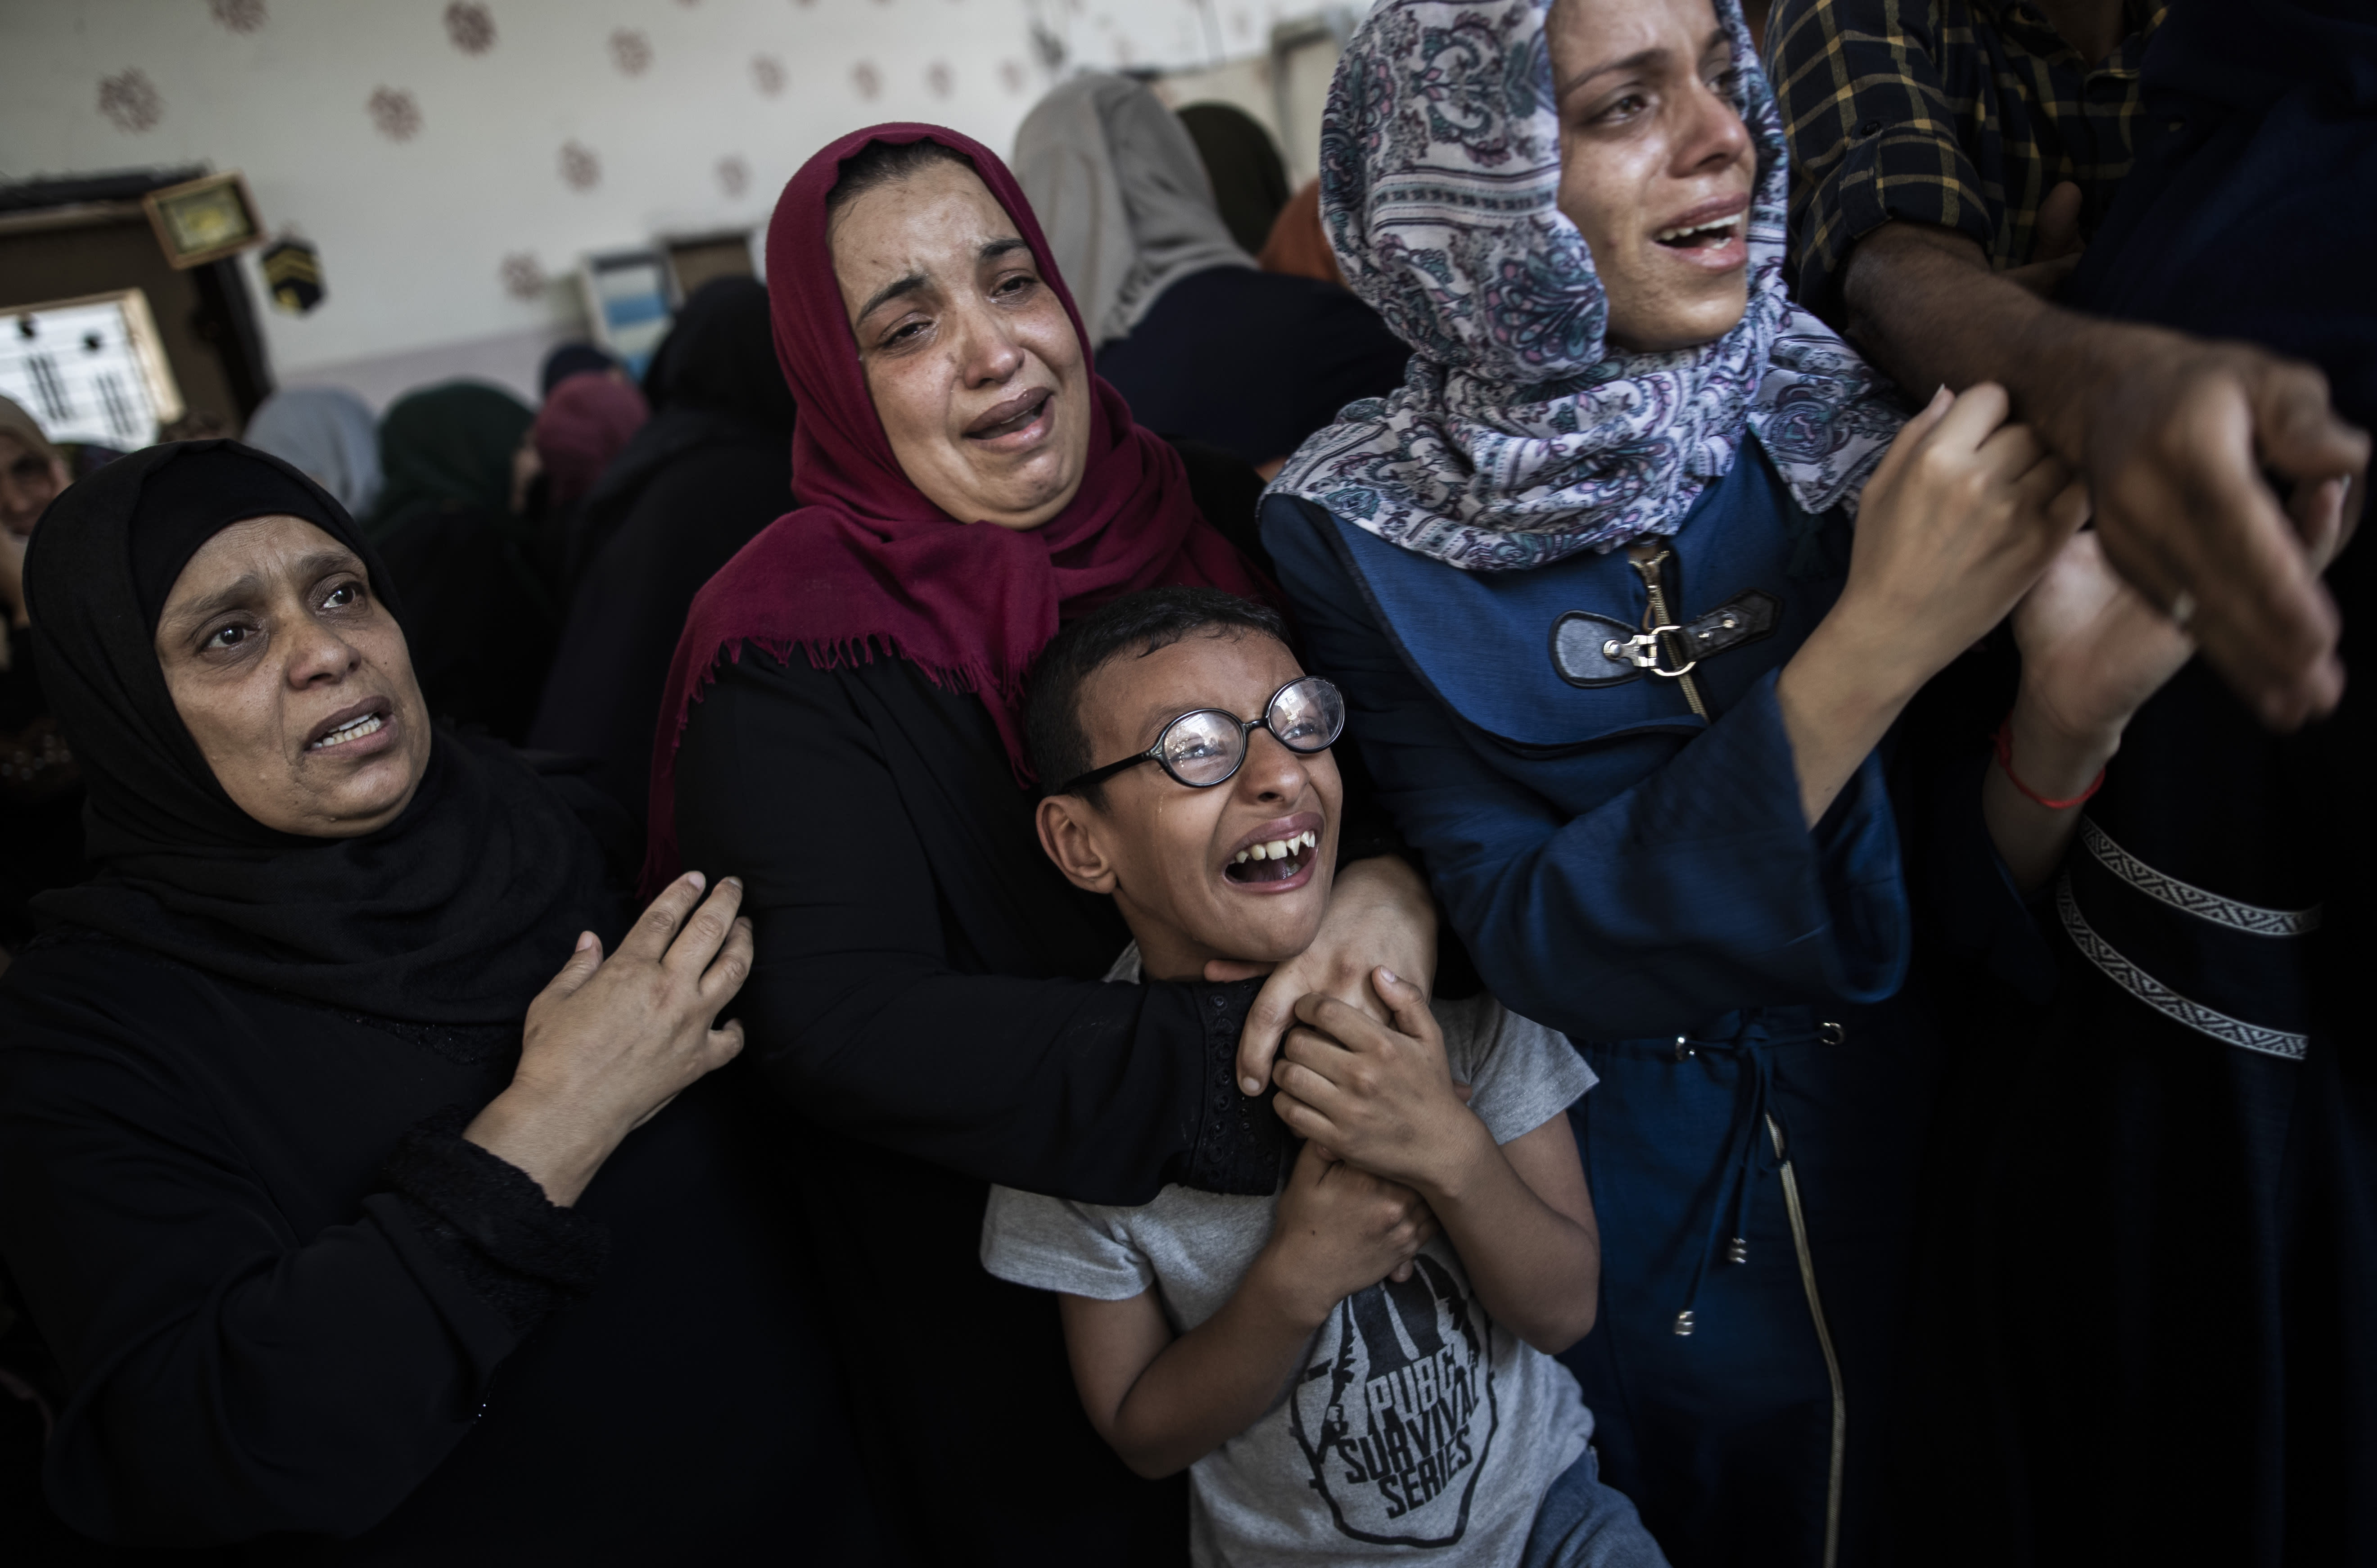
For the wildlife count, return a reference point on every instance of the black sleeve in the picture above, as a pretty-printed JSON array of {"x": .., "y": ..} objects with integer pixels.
[
  {"x": 488, "y": 1219},
  {"x": 1096, "y": 1093},
  {"x": 230, "y": 1378},
  {"x": 615, "y": 829}
]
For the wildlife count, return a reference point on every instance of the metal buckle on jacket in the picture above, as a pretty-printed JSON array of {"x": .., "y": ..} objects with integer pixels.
[{"x": 1643, "y": 651}]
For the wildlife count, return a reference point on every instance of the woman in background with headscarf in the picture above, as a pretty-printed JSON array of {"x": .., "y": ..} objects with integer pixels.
[
  {"x": 586, "y": 421},
  {"x": 1623, "y": 669},
  {"x": 1250, "y": 180},
  {"x": 483, "y": 611},
  {"x": 444, "y": 448},
  {"x": 32, "y": 471},
  {"x": 569, "y": 361},
  {"x": 41, "y": 792},
  {"x": 712, "y": 468},
  {"x": 1297, "y": 245},
  {"x": 1200, "y": 341},
  {"x": 330, "y": 434}
]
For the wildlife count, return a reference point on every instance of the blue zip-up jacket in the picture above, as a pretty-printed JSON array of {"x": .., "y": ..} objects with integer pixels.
[
  {"x": 1624, "y": 853},
  {"x": 1619, "y": 864}
]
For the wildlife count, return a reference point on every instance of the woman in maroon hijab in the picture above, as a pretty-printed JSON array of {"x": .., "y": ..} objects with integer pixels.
[{"x": 841, "y": 732}]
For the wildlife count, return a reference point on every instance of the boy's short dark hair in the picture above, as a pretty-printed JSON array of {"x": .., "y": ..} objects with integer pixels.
[{"x": 1137, "y": 624}]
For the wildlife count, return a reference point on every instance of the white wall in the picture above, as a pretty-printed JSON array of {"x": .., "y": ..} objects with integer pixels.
[{"x": 415, "y": 231}]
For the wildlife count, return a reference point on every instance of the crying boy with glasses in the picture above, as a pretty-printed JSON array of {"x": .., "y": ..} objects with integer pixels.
[{"x": 1357, "y": 1368}]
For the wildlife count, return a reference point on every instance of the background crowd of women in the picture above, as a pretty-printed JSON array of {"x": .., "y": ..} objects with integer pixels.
[{"x": 383, "y": 1186}]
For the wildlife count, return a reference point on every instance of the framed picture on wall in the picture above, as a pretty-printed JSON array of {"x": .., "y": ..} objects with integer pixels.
[
  {"x": 629, "y": 303},
  {"x": 204, "y": 220},
  {"x": 89, "y": 369},
  {"x": 694, "y": 259}
]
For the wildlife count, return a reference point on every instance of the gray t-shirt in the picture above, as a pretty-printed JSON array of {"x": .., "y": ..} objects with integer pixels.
[{"x": 1416, "y": 1421}]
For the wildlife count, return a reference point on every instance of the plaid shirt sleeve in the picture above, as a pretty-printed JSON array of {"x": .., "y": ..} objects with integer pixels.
[{"x": 1872, "y": 130}]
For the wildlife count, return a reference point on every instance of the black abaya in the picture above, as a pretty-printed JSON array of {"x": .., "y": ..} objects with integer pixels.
[
  {"x": 1253, "y": 362},
  {"x": 41, "y": 793},
  {"x": 925, "y": 995},
  {"x": 268, "y": 1334},
  {"x": 2151, "y": 1323},
  {"x": 709, "y": 470}
]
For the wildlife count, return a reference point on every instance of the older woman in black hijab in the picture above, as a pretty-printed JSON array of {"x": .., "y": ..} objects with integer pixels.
[
  {"x": 340, "y": 1256},
  {"x": 712, "y": 468}
]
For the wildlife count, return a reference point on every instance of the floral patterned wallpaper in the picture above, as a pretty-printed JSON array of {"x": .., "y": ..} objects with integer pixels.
[{"x": 453, "y": 161}]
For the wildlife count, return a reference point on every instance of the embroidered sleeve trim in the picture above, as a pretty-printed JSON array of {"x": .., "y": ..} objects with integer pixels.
[
  {"x": 2162, "y": 999},
  {"x": 492, "y": 1223},
  {"x": 2189, "y": 899}
]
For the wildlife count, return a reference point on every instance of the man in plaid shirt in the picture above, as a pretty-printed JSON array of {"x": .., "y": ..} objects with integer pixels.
[{"x": 1948, "y": 155}]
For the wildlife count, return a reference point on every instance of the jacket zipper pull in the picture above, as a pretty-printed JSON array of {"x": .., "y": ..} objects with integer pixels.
[{"x": 1653, "y": 585}]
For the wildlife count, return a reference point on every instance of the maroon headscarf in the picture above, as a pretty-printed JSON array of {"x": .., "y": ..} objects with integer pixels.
[
  {"x": 583, "y": 424},
  {"x": 866, "y": 563}
]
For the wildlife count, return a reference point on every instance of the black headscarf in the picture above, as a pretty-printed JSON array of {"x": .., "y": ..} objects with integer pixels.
[
  {"x": 712, "y": 468},
  {"x": 457, "y": 911},
  {"x": 573, "y": 359},
  {"x": 1250, "y": 180},
  {"x": 484, "y": 610},
  {"x": 714, "y": 379},
  {"x": 721, "y": 355}
]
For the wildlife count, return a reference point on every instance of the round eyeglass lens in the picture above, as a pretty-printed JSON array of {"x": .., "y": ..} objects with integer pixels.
[
  {"x": 1202, "y": 748},
  {"x": 1308, "y": 715}
]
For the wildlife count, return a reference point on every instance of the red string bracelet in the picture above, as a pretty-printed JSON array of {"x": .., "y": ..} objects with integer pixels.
[{"x": 2003, "y": 742}]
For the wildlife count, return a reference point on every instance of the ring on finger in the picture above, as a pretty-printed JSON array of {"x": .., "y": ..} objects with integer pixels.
[{"x": 2182, "y": 609}]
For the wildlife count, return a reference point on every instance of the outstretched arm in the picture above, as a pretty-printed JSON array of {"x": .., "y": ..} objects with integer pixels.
[
  {"x": 1893, "y": 238},
  {"x": 868, "y": 1004},
  {"x": 2173, "y": 434}
]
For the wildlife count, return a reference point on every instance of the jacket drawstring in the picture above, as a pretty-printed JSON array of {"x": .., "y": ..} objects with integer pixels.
[{"x": 1750, "y": 1158}]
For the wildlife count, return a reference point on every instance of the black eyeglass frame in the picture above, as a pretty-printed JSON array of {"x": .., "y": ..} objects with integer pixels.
[{"x": 1245, "y": 727}]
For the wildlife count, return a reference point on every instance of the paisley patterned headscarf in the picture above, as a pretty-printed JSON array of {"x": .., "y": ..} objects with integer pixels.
[{"x": 1519, "y": 436}]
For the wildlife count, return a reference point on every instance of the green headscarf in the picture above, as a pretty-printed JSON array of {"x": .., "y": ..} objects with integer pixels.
[{"x": 447, "y": 446}]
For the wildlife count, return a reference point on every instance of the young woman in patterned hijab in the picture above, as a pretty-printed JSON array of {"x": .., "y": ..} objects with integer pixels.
[{"x": 1621, "y": 667}]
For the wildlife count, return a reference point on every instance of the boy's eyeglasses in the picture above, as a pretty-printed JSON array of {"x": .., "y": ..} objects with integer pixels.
[{"x": 1206, "y": 747}]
